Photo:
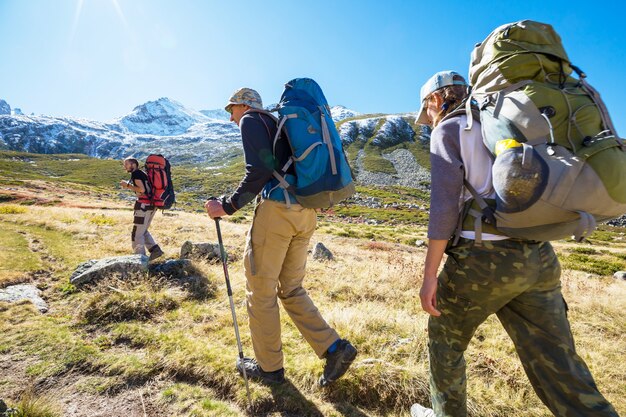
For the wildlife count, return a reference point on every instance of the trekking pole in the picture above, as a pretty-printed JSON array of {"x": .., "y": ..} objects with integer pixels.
[{"x": 232, "y": 306}]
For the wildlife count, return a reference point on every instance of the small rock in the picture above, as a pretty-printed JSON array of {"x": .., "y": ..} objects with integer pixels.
[
  {"x": 420, "y": 243},
  {"x": 621, "y": 275},
  {"x": 322, "y": 253},
  {"x": 21, "y": 292},
  {"x": 3, "y": 407},
  {"x": 96, "y": 269},
  {"x": 203, "y": 252}
]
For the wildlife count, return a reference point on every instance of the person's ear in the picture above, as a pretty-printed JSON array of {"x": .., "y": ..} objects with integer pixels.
[{"x": 438, "y": 100}]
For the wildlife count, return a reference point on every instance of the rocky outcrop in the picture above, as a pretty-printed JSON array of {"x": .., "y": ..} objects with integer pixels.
[
  {"x": 204, "y": 251},
  {"x": 15, "y": 293},
  {"x": 97, "y": 269}
]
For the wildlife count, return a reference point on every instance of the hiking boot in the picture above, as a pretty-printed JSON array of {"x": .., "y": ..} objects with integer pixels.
[
  {"x": 155, "y": 252},
  {"x": 338, "y": 362},
  {"x": 254, "y": 371},
  {"x": 420, "y": 411}
]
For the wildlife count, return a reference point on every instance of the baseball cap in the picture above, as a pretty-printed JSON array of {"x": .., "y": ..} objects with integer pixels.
[
  {"x": 436, "y": 82},
  {"x": 245, "y": 96}
]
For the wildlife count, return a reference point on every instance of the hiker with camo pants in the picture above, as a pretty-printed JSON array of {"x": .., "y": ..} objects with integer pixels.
[
  {"x": 518, "y": 280},
  {"x": 276, "y": 252},
  {"x": 143, "y": 212}
]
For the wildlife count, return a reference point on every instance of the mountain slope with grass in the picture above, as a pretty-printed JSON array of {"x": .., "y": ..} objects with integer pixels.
[{"x": 386, "y": 150}]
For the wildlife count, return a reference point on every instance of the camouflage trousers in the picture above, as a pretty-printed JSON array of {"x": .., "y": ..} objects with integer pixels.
[{"x": 519, "y": 282}]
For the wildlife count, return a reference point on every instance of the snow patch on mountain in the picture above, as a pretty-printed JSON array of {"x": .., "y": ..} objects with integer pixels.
[{"x": 358, "y": 130}]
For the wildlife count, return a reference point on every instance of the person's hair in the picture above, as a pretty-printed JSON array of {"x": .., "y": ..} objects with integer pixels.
[
  {"x": 132, "y": 161},
  {"x": 453, "y": 96}
]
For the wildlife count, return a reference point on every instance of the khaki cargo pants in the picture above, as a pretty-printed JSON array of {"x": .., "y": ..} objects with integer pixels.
[
  {"x": 519, "y": 282},
  {"x": 140, "y": 236},
  {"x": 274, "y": 265}
]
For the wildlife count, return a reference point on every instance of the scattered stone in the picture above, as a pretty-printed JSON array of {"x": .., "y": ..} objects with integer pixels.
[
  {"x": 15, "y": 293},
  {"x": 97, "y": 269},
  {"x": 204, "y": 252},
  {"x": 420, "y": 243},
  {"x": 621, "y": 275},
  {"x": 322, "y": 253}
]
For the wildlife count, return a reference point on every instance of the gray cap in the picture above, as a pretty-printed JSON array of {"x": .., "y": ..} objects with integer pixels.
[
  {"x": 245, "y": 96},
  {"x": 434, "y": 83}
]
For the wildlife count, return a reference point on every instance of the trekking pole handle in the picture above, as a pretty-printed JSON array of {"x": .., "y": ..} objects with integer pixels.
[{"x": 214, "y": 199}]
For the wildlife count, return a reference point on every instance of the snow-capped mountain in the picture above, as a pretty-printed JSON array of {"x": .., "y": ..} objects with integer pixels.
[
  {"x": 160, "y": 126},
  {"x": 162, "y": 117},
  {"x": 340, "y": 113}
]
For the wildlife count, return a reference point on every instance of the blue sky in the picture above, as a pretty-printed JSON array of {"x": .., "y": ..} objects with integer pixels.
[{"x": 100, "y": 58}]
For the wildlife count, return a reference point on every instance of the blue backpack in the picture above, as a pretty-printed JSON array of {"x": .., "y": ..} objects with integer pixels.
[{"x": 323, "y": 176}]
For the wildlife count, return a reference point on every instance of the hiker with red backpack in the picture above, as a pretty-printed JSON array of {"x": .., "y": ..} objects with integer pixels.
[
  {"x": 144, "y": 209},
  {"x": 500, "y": 263},
  {"x": 280, "y": 167}
]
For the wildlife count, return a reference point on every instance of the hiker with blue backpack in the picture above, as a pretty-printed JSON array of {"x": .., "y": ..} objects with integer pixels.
[
  {"x": 490, "y": 164},
  {"x": 296, "y": 164}
]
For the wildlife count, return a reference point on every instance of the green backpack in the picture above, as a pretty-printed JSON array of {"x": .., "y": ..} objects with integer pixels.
[{"x": 559, "y": 165}]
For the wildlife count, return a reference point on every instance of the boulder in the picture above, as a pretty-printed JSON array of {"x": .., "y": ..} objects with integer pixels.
[
  {"x": 621, "y": 275},
  {"x": 420, "y": 243},
  {"x": 322, "y": 253},
  {"x": 15, "y": 293},
  {"x": 204, "y": 251},
  {"x": 97, "y": 269}
]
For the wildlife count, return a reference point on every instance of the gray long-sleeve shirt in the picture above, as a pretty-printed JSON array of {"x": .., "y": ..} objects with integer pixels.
[
  {"x": 447, "y": 174},
  {"x": 457, "y": 155}
]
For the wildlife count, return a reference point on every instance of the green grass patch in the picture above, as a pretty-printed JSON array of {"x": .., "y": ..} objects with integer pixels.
[
  {"x": 594, "y": 264},
  {"x": 100, "y": 220},
  {"x": 373, "y": 160},
  {"x": 16, "y": 259},
  {"x": 12, "y": 209}
]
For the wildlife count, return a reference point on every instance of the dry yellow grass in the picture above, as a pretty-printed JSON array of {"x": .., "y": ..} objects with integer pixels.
[{"x": 370, "y": 295}]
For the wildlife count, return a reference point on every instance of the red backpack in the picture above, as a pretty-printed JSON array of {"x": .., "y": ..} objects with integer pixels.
[{"x": 158, "y": 170}]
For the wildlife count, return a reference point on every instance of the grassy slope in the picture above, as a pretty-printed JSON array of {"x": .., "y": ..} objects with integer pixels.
[{"x": 180, "y": 350}]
